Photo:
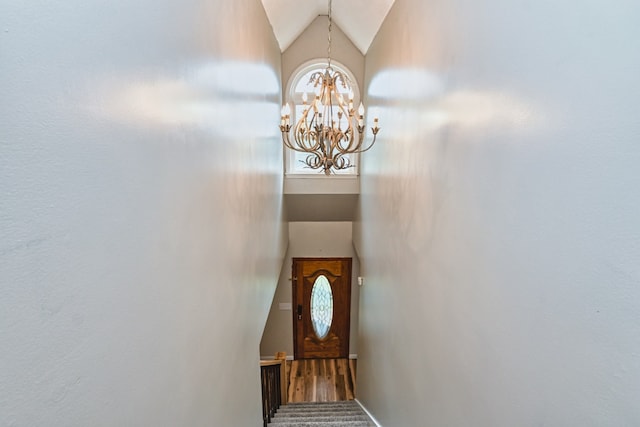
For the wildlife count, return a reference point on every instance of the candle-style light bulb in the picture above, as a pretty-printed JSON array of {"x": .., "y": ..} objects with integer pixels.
[
  {"x": 286, "y": 114},
  {"x": 361, "y": 110},
  {"x": 305, "y": 98}
]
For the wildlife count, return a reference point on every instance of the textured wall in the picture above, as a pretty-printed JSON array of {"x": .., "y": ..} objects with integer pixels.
[
  {"x": 140, "y": 218},
  {"x": 500, "y": 226},
  {"x": 310, "y": 239}
]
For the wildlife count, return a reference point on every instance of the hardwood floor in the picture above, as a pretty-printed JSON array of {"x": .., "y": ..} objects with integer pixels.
[{"x": 321, "y": 380}]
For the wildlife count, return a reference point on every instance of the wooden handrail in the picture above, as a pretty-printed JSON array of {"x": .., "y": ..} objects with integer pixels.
[{"x": 270, "y": 362}]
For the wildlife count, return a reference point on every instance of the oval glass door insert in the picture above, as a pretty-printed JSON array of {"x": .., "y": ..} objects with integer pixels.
[{"x": 321, "y": 306}]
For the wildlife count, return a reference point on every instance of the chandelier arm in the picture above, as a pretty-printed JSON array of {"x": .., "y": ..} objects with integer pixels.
[
  {"x": 345, "y": 112},
  {"x": 350, "y": 147},
  {"x": 298, "y": 143},
  {"x": 340, "y": 162},
  {"x": 286, "y": 140},
  {"x": 304, "y": 133},
  {"x": 314, "y": 161},
  {"x": 295, "y": 147},
  {"x": 358, "y": 147},
  {"x": 344, "y": 80},
  {"x": 373, "y": 141},
  {"x": 301, "y": 147}
]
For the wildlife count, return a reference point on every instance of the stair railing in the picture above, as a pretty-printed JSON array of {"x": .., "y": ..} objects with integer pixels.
[{"x": 271, "y": 377}]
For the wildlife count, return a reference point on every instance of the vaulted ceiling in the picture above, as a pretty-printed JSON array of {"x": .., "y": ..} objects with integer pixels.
[{"x": 358, "y": 19}]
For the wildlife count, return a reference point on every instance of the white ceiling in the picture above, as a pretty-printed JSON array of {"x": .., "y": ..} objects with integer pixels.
[{"x": 358, "y": 19}]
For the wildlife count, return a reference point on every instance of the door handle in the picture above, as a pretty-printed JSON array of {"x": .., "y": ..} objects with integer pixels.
[{"x": 299, "y": 311}]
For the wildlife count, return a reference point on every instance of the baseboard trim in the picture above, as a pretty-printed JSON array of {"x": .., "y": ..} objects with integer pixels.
[
  {"x": 273, "y": 358},
  {"x": 368, "y": 413}
]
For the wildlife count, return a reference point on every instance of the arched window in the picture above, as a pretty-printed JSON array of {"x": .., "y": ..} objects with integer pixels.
[{"x": 299, "y": 84}]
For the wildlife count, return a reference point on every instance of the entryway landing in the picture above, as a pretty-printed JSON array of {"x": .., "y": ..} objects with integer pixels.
[{"x": 321, "y": 380}]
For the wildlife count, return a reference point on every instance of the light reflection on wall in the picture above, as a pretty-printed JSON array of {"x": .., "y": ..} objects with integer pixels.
[
  {"x": 408, "y": 167},
  {"x": 410, "y": 100},
  {"x": 407, "y": 84}
]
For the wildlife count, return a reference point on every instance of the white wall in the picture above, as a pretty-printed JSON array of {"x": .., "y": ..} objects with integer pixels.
[
  {"x": 312, "y": 44},
  {"x": 500, "y": 230},
  {"x": 140, "y": 218},
  {"x": 308, "y": 240}
]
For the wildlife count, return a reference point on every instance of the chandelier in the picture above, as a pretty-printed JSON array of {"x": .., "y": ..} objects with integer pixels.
[{"x": 329, "y": 129}]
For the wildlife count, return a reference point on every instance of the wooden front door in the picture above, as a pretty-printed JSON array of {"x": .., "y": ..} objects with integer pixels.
[{"x": 321, "y": 307}]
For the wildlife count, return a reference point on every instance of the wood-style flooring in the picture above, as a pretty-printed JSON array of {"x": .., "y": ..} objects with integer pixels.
[{"x": 321, "y": 380}]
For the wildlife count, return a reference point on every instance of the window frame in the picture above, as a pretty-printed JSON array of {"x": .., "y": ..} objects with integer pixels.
[{"x": 293, "y": 100}]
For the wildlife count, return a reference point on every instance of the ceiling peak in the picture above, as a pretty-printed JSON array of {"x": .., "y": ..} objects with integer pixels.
[{"x": 360, "y": 20}]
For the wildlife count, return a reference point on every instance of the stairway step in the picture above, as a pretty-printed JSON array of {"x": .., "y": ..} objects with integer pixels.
[
  {"x": 321, "y": 414},
  {"x": 319, "y": 408},
  {"x": 337, "y": 417},
  {"x": 312, "y": 412},
  {"x": 317, "y": 411},
  {"x": 323, "y": 424},
  {"x": 338, "y": 403}
]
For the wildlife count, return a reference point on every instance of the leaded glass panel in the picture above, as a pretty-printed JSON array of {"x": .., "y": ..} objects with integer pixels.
[{"x": 321, "y": 306}]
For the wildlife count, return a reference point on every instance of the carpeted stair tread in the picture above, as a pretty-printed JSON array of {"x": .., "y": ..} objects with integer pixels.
[
  {"x": 319, "y": 411},
  {"x": 338, "y": 403},
  {"x": 323, "y": 424},
  {"x": 334, "y": 403},
  {"x": 322, "y": 405},
  {"x": 324, "y": 418},
  {"x": 314, "y": 414},
  {"x": 321, "y": 414}
]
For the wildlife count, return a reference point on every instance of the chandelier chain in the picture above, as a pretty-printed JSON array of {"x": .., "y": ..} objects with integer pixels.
[{"x": 329, "y": 36}]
